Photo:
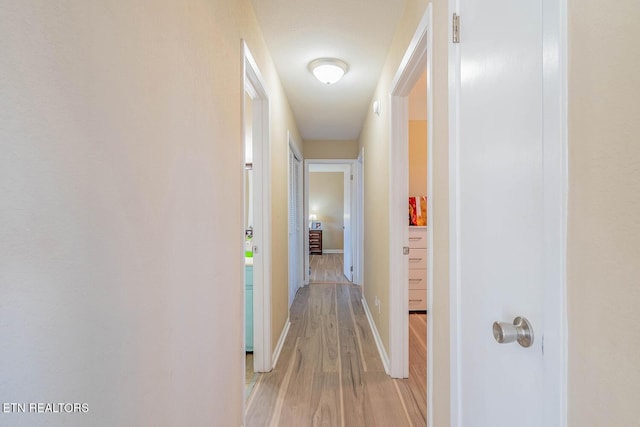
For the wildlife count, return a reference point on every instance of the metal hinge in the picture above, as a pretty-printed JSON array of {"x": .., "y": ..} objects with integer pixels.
[
  {"x": 351, "y": 177},
  {"x": 456, "y": 28},
  {"x": 352, "y": 268}
]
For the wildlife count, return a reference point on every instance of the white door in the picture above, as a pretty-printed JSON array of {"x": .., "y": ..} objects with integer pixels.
[
  {"x": 348, "y": 253},
  {"x": 295, "y": 226},
  {"x": 508, "y": 213}
]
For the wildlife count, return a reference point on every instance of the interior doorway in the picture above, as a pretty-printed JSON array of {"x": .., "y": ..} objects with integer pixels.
[
  {"x": 332, "y": 212},
  {"x": 256, "y": 231},
  {"x": 296, "y": 225},
  {"x": 415, "y": 65}
]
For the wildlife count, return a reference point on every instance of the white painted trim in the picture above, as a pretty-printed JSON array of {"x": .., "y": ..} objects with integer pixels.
[
  {"x": 305, "y": 232},
  {"x": 376, "y": 337},
  {"x": 454, "y": 224},
  {"x": 332, "y": 251},
  {"x": 327, "y": 167},
  {"x": 280, "y": 343},
  {"x": 555, "y": 220},
  {"x": 254, "y": 84},
  {"x": 358, "y": 276},
  {"x": 417, "y": 59},
  {"x": 298, "y": 280},
  {"x": 398, "y": 237}
]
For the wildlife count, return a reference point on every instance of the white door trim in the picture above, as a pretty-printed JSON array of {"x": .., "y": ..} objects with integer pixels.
[
  {"x": 555, "y": 190},
  {"x": 358, "y": 233},
  {"x": 255, "y": 85},
  {"x": 416, "y": 59},
  {"x": 555, "y": 212},
  {"x": 347, "y": 166},
  {"x": 298, "y": 278}
]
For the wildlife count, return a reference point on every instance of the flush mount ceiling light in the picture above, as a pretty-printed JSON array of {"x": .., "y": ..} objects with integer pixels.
[{"x": 328, "y": 70}]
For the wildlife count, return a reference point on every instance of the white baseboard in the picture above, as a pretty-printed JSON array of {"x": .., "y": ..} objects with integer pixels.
[
  {"x": 280, "y": 344},
  {"x": 376, "y": 336},
  {"x": 333, "y": 251}
]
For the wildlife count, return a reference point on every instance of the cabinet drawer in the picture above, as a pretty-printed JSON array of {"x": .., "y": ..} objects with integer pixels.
[
  {"x": 417, "y": 258},
  {"x": 417, "y": 278},
  {"x": 417, "y": 237},
  {"x": 417, "y": 299}
]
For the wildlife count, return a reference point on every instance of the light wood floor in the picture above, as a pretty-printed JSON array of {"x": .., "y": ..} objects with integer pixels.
[
  {"x": 329, "y": 372},
  {"x": 250, "y": 377},
  {"x": 327, "y": 268}
]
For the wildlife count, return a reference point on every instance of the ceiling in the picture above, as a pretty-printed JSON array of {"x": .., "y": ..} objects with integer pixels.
[{"x": 357, "y": 31}]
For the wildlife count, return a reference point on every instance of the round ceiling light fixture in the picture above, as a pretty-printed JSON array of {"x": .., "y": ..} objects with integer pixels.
[{"x": 328, "y": 70}]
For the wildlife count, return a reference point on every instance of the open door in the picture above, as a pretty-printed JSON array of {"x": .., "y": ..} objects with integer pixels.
[
  {"x": 508, "y": 212},
  {"x": 347, "y": 227},
  {"x": 296, "y": 278},
  {"x": 350, "y": 219}
]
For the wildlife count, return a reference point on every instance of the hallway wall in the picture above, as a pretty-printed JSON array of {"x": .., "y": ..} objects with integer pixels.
[
  {"x": 282, "y": 121},
  {"x": 604, "y": 213},
  {"x": 314, "y": 149},
  {"x": 375, "y": 138},
  {"x": 121, "y": 210}
]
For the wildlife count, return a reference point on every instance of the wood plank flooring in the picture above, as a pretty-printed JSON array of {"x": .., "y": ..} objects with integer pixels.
[
  {"x": 327, "y": 268},
  {"x": 250, "y": 377},
  {"x": 329, "y": 372}
]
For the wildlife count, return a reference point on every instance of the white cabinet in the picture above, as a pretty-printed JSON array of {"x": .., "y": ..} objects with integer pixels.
[{"x": 417, "y": 268}]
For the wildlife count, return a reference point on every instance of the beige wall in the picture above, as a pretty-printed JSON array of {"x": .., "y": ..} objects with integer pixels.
[
  {"x": 604, "y": 213},
  {"x": 121, "y": 188},
  {"x": 326, "y": 198},
  {"x": 314, "y": 149},
  {"x": 281, "y": 121},
  {"x": 374, "y": 138},
  {"x": 417, "y": 158}
]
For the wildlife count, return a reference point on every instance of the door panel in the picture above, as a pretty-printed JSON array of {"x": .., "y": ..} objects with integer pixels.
[
  {"x": 348, "y": 254},
  {"x": 501, "y": 197}
]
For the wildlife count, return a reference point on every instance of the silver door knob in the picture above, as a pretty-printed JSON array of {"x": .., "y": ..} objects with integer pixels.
[{"x": 520, "y": 331}]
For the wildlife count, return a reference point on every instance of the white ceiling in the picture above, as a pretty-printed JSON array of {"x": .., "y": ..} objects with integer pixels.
[{"x": 357, "y": 31}]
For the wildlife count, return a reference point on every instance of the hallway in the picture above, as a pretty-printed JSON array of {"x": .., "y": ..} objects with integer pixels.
[
  {"x": 329, "y": 371},
  {"x": 327, "y": 268}
]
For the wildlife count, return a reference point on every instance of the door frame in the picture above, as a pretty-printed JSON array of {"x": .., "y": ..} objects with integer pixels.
[
  {"x": 254, "y": 85},
  {"x": 358, "y": 232},
  {"x": 417, "y": 59},
  {"x": 347, "y": 166},
  {"x": 555, "y": 186},
  {"x": 299, "y": 276}
]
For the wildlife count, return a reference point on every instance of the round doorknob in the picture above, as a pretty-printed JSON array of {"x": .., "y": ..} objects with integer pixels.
[{"x": 520, "y": 331}]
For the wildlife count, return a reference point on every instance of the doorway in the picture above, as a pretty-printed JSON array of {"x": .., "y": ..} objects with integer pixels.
[
  {"x": 257, "y": 225},
  {"x": 296, "y": 265},
  {"x": 507, "y": 235},
  {"x": 416, "y": 64},
  {"x": 331, "y": 209}
]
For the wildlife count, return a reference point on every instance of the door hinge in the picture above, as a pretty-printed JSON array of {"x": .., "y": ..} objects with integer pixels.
[
  {"x": 456, "y": 28},
  {"x": 405, "y": 250},
  {"x": 351, "y": 177},
  {"x": 352, "y": 268}
]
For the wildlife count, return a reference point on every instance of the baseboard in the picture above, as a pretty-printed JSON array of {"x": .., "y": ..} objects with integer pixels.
[
  {"x": 280, "y": 344},
  {"x": 376, "y": 337},
  {"x": 332, "y": 251}
]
